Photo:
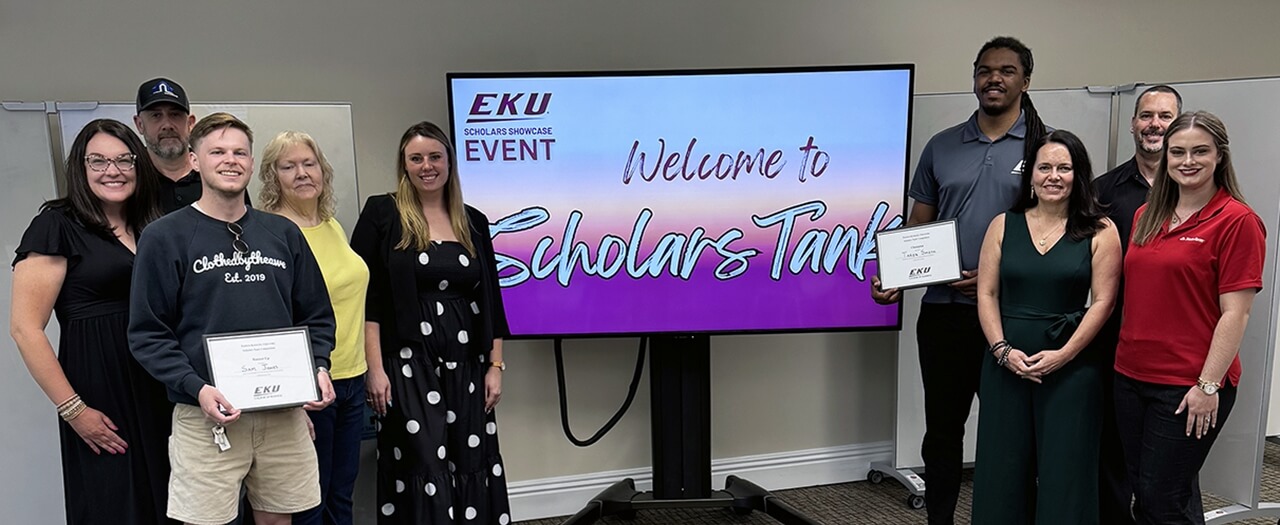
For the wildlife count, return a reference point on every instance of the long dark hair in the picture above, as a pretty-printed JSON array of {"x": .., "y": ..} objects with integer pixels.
[
  {"x": 140, "y": 209},
  {"x": 1031, "y": 118},
  {"x": 1084, "y": 214}
]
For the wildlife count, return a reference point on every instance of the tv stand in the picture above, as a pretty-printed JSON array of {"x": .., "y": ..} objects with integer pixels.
[{"x": 680, "y": 408}]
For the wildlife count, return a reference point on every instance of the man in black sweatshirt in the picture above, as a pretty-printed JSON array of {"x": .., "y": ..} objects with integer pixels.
[{"x": 216, "y": 267}]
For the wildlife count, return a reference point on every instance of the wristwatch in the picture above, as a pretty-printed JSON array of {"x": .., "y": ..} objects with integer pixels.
[
  {"x": 323, "y": 369},
  {"x": 1208, "y": 387},
  {"x": 499, "y": 365}
]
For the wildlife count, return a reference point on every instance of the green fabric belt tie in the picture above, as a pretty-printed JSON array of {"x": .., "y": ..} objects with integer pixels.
[{"x": 1062, "y": 322}]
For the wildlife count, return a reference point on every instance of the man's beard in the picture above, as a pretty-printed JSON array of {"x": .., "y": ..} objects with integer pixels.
[
  {"x": 1142, "y": 143},
  {"x": 170, "y": 152},
  {"x": 994, "y": 109}
]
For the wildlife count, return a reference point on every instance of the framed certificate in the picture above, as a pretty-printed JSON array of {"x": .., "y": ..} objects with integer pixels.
[
  {"x": 918, "y": 256},
  {"x": 264, "y": 369}
]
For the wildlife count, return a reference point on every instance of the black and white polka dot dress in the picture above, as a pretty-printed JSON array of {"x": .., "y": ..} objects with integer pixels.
[{"x": 438, "y": 459}]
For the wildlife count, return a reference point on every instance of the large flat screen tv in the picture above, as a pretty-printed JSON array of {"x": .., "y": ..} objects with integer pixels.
[{"x": 669, "y": 202}]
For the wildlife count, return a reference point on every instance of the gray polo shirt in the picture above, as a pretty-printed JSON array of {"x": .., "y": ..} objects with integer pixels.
[{"x": 971, "y": 179}]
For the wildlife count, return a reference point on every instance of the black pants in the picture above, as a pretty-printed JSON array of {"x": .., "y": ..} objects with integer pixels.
[
  {"x": 951, "y": 348},
  {"x": 1162, "y": 461},
  {"x": 1115, "y": 496}
]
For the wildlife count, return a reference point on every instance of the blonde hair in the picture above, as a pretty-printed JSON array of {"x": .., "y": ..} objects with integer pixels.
[
  {"x": 415, "y": 232},
  {"x": 1163, "y": 197},
  {"x": 269, "y": 196}
]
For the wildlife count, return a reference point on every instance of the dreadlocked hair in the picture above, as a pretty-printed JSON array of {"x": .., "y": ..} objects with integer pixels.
[{"x": 1035, "y": 135}]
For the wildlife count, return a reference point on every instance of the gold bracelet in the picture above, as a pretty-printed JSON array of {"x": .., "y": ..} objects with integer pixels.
[
  {"x": 71, "y": 412},
  {"x": 76, "y": 413},
  {"x": 70, "y": 401},
  {"x": 67, "y": 410}
]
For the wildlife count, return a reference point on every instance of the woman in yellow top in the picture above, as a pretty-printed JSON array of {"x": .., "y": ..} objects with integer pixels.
[{"x": 297, "y": 183}]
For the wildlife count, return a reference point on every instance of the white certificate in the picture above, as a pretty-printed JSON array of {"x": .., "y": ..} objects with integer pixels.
[
  {"x": 918, "y": 255},
  {"x": 263, "y": 370}
]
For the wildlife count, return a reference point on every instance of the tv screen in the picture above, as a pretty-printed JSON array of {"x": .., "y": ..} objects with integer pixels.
[{"x": 667, "y": 202}]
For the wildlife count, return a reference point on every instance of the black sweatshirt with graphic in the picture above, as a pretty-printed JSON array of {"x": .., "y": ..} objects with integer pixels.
[{"x": 189, "y": 281}]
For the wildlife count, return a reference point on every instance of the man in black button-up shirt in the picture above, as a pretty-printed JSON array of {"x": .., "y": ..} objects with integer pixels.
[{"x": 1122, "y": 190}]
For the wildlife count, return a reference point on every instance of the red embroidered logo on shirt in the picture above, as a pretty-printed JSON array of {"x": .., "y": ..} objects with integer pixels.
[{"x": 1191, "y": 239}]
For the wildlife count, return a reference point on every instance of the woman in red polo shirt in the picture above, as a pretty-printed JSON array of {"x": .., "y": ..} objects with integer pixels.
[{"x": 1192, "y": 270}]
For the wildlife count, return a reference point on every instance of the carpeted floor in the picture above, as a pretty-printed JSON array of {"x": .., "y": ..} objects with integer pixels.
[{"x": 864, "y": 503}]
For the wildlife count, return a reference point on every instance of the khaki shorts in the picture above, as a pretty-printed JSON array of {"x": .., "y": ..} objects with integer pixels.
[{"x": 271, "y": 452}]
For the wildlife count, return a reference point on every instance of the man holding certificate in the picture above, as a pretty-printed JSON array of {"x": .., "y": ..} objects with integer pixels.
[
  {"x": 230, "y": 311},
  {"x": 970, "y": 173}
]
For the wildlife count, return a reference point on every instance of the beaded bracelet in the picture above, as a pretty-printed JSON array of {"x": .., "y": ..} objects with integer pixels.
[
  {"x": 75, "y": 412},
  {"x": 1000, "y": 350},
  {"x": 66, "y": 406},
  {"x": 70, "y": 401},
  {"x": 997, "y": 346},
  {"x": 71, "y": 408}
]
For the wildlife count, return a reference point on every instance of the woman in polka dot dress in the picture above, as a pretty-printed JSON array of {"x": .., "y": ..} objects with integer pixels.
[{"x": 434, "y": 343}]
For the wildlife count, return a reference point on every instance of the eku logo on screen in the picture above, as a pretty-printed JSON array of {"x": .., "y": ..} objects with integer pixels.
[
  {"x": 497, "y": 130},
  {"x": 508, "y": 107}
]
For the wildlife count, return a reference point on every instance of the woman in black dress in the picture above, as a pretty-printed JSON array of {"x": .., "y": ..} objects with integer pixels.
[
  {"x": 76, "y": 260},
  {"x": 435, "y": 311}
]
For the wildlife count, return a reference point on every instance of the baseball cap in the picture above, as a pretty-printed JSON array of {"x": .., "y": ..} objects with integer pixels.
[{"x": 159, "y": 90}]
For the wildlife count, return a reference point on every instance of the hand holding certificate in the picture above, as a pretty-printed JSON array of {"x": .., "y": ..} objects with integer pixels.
[
  {"x": 263, "y": 370},
  {"x": 918, "y": 256}
]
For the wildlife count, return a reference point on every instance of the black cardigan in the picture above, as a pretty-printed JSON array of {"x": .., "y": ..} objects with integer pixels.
[{"x": 392, "y": 300}]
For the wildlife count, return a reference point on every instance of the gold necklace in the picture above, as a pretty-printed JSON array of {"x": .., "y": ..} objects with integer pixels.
[
  {"x": 1044, "y": 239},
  {"x": 1177, "y": 219}
]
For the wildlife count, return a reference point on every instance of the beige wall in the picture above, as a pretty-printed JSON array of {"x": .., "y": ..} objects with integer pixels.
[{"x": 388, "y": 58}]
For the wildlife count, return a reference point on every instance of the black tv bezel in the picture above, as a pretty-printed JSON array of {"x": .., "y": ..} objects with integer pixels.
[{"x": 906, "y": 168}]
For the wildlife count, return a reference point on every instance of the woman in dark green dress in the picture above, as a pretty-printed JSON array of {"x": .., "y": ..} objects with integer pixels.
[{"x": 1040, "y": 417}]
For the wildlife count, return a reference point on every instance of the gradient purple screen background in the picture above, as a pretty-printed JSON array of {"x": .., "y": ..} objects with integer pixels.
[{"x": 584, "y": 159}]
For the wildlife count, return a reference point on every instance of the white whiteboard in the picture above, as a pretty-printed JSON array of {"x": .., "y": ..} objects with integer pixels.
[
  {"x": 31, "y": 467},
  {"x": 1234, "y": 468},
  {"x": 1085, "y": 114},
  {"x": 329, "y": 124}
]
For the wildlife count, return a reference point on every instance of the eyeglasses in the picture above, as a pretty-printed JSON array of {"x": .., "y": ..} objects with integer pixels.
[
  {"x": 238, "y": 244},
  {"x": 99, "y": 163}
]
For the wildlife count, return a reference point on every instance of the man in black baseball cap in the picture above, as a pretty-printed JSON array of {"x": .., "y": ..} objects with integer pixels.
[
  {"x": 162, "y": 90},
  {"x": 164, "y": 120}
]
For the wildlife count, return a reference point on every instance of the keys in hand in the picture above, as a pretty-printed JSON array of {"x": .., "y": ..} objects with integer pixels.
[{"x": 220, "y": 438}]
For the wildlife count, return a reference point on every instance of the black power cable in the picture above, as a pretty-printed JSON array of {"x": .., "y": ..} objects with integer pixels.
[{"x": 564, "y": 404}]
